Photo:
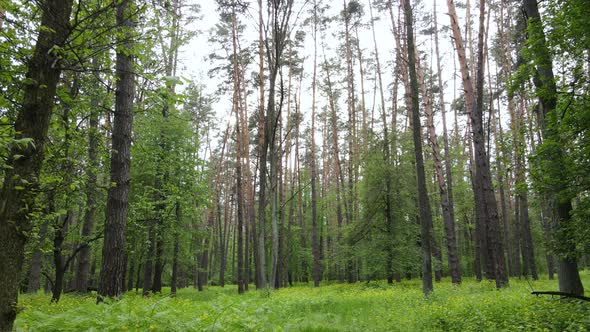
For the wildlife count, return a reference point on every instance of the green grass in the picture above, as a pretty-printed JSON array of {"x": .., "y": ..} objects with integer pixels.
[{"x": 340, "y": 307}]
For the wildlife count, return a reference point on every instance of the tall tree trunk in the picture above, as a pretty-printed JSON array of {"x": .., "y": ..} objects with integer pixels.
[
  {"x": 149, "y": 259},
  {"x": 174, "y": 281},
  {"x": 485, "y": 200},
  {"x": 432, "y": 139},
  {"x": 34, "y": 278},
  {"x": 61, "y": 262},
  {"x": 351, "y": 105},
  {"x": 424, "y": 205},
  {"x": 159, "y": 257},
  {"x": 544, "y": 81},
  {"x": 547, "y": 232},
  {"x": 500, "y": 149},
  {"x": 315, "y": 245},
  {"x": 386, "y": 156},
  {"x": 337, "y": 165},
  {"x": 21, "y": 179},
  {"x": 240, "y": 215},
  {"x": 262, "y": 155},
  {"x": 239, "y": 142},
  {"x": 113, "y": 254},
  {"x": 526, "y": 241},
  {"x": 364, "y": 128},
  {"x": 449, "y": 214},
  {"x": 483, "y": 174},
  {"x": 81, "y": 282}
]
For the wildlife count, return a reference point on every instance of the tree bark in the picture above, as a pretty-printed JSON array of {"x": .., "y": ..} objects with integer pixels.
[
  {"x": 386, "y": 156},
  {"x": 351, "y": 106},
  {"x": 262, "y": 154},
  {"x": 174, "y": 281},
  {"x": 36, "y": 264},
  {"x": 81, "y": 282},
  {"x": 544, "y": 81},
  {"x": 239, "y": 148},
  {"x": 149, "y": 259},
  {"x": 337, "y": 165},
  {"x": 159, "y": 259},
  {"x": 315, "y": 245},
  {"x": 485, "y": 200},
  {"x": 447, "y": 196},
  {"x": 113, "y": 254},
  {"x": 424, "y": 205},
  {"x": 495, "y": 251},
  {"x": 21, "y": 180},
  {"x": 60, "y": 262}
]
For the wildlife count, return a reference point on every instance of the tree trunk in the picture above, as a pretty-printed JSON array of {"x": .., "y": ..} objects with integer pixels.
[
  {"x": 351, "y": 106},
  {"x": 337, "y": 165},
  {"x": 315, "y": 245},
  {"x": 447, "y": 196},
  {"x": 424, "y": 205},
  {"x": 159, "y": 259},
  {"x": 262, "y": 154},
  {"x": 239, "y": 148},
  {"x": 485, "y": 199},
  {"x": 113, "y": 254},
  {"x": 81, "y": 283},
  {"x": 386, "y": 156},
  {"x": 21, "y": 179},
  {"x": 60, "y": 262},
  {"x": 149, "y": 259},
  {"x": 131, "y": 274},
  {"x": 34, "y": 282},
  {"x": 174, "y": 282},
  {"x": 547, "y": 223},
  {"x": 544, "y": 80},
  {"x": 240, "y": 212}
]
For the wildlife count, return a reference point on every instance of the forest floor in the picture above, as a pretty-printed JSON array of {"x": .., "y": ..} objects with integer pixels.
[{"x": 374, "y": 306}]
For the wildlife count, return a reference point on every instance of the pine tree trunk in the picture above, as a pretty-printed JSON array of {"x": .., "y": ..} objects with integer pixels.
[
  {"x": 239, "y": 148},
  {"x": 337, "y": 165},
  {"x": 34, "y": 279},
  {"x": 81, "y": 282},
  {"x": 485, "y": 200},
  {"x": 351, "y": 105},
  {"x": 262, "y": 154},
  {"x": 113, "y": 254},
  {"x": 159, "y": 260},
  {"x": 149, "y": 259},
  {"x": 492, "y": 223},
  {"x": 315, "y": 245},
  {"x": 447, "y": 196},
  {"x": 174, "y": 281},
  {"x": 424, "y": 205},
  {"x": 386, "y": 157},
  {"x": 439, "y": 179},
  {"x": 131, "y": 275}
]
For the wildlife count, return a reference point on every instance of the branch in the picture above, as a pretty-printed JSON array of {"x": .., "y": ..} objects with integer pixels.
[
  {"x": 46, "y": 275},
  {"x": 80, "y": 247},
  {"x": 562, "y": 294}
]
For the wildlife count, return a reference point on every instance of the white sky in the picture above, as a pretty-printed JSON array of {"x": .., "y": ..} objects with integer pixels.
[{"x": 193, "y": 60}]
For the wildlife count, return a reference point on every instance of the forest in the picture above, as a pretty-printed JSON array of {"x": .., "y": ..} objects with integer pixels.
[{"x": 304, "y": 165}]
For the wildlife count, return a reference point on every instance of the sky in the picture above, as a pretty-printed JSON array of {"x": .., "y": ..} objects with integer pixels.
[{"x": 194, "y": 62}]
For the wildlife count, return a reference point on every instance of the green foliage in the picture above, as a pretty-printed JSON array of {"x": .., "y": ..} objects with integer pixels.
[
  {"x": 561, "y": 161},
  {"x": 373, "y": 306}
]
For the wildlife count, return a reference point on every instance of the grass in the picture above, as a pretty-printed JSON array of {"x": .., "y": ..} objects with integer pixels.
[{"x": 340, "y": 307}]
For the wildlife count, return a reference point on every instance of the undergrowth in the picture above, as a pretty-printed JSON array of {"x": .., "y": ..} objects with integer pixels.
[{"x": 374, "y": 306}]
